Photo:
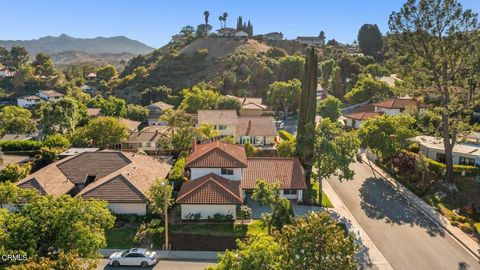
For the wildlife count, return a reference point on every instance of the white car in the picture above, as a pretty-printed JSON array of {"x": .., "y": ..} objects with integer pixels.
[{"x": 134, "y": 257}]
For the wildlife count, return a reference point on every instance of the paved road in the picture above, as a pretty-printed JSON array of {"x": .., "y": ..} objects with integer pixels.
[
  {"x": 163, "y": 265},
  {"x": 405, "y": 236}
]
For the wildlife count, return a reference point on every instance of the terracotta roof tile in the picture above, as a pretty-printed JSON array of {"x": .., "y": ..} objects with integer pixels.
[
  {"x": 363, "y": 115},
  {"x": 287, "y": 171},
  {"x": 399, "y": 103},
  {"x": 256, "y": 126},
  {"x": 217, "y": 155},
  {"x": 210, "y": 189}
]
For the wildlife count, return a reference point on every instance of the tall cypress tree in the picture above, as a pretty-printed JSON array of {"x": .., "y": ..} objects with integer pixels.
[
  {"x": 306, "y": 114},
  {"x": 239, "y": 23}
]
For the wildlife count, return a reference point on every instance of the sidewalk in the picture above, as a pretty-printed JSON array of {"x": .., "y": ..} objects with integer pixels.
[
  {"x": 369, "y": 255},
  {"x": 463, "y": 239},
  {"x": 207, "y": 256}
]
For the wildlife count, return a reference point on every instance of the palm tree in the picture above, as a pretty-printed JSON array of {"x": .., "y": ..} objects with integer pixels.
[
  {"x": 206, "y": 14},
  {"x": 225, "y": 15},
  {"x": 220, "y": 18},
  {"x": 172, "y": 118},
  {"x": 207, "y": 131}
]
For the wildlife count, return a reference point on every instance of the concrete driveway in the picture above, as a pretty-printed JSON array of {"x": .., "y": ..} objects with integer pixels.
[{"x": 298, "y": 210}]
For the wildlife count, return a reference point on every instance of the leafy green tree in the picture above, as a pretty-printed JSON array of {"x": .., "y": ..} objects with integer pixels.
[
  {"x": 105, "y": 131},
  {"x": 182, "y": 131},
  {"x": 207, "y": 131},
  {"x": 316, "y": 241},
  {"x": 290, "y": 67},
  {"x": 160, "y": 196},
  {"x": 327, "y": 72},
  {"x": 156, "y": 93},
  {"x": 228, "y": 103},
  {"x": 113, "y": 106},
  {"x": 306, "y": 115},
  {"x": 199, "y": 97},
  {"x": 14, "y": 172},
  {"x": 16, "y": 120},
  {"x": 44, "y": 224},
  {"x": 57, "y": 141},
  {"x": 62, "y": 260},
  {"x": 275, "y": 52},
  {"x": 258, "y": 252},
  {"x": 336, "y": 85},
  {"x": 370, "y": 40},
  {"x": 18, "y": 57},
  {"x": 376, "y": 70},
  {"x": 43, "y": 65},
  {"x": 438, "y": 34},
  {"x": 330, "y": 108},
  {"x": 106, "y": 73},
  {"x": 244, "y": 212},
  {"x": 286, "y": 149},
  {"x": 202, "y": 30},
  {"x": 61, "y": 116},
  {"x": 367, "y": 88},
  {"x": 282, "y": 214},
  {"x": 386, "y": 135},
  {"x": 284, "y": 95},
  {"x": 137, "y": 112},
  {"x": 250, "y": 149},
  {"x": 335, "y": 150}
]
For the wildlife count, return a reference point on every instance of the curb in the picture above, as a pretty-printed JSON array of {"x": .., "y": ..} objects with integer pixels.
[{"x": 473, "y": 252}]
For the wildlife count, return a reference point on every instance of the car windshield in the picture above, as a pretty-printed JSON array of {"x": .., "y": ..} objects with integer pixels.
[{"x": 124, "y": 253}]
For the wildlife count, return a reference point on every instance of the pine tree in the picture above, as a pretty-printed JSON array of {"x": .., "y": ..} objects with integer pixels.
[
  {"x": 306, "y": 114},
  {"x": 249, "y": 28},
  {"x": 239, "y": 23}
]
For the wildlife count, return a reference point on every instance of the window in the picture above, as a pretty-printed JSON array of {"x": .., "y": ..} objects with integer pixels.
[
  {"x": 259, "y": 140},
  {"x": 466, "y": 161},
  {"x": 221, "y": 127},
  {"x": 441, "y": 157},
  {"x": 289, "y": 192},
  {"x": 135, "y": 255},
  {"x": 245, "y": 139},
  {"x": 226, "y": 171}
]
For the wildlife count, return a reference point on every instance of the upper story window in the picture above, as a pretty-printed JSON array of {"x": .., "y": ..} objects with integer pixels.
[
  {"x": 221, "y": 127},
  {"x": 226, "y": 171}
]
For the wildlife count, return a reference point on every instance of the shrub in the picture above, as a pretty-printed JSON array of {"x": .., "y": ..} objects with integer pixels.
[
  {"x": 56, "y": 141},
  {"x": 177, "y": 173},
  {"x": 466, "y": 227},
  {"x": 20, "y": 145},
  {"x": 193, "y": 216},
  {"x": 250, "y": 150},
  {"x": 14, "y": 172},
  {"x": 455, "y": 223},
  {"x": 222, "y": 218},
  {"x": 201, "y": 52}
]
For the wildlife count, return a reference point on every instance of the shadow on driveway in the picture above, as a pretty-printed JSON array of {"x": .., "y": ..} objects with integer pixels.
[{"x": 381, "y": 201}]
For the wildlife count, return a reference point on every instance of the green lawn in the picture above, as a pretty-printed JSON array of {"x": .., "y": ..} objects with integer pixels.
[
  {"x": 325, "y": 200},
  {"x": 219, "y": 229},
  {"x": 120, "y": 237}
]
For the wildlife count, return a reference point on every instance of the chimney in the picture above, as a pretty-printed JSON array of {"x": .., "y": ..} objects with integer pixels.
[
  {"x": 249, "y": 127},
  {"x": 194, "y": 144}
]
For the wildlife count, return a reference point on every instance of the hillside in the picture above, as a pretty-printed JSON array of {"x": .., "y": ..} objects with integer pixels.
[
  {"x": 64, "y": 59},
  {"x": 64, "y": 43},
  {"x": 221, "y": 47}
]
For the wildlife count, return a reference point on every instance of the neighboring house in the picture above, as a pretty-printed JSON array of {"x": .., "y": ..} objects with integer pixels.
[
  {"x": 93, "y": 112},
  {"x": 77, "y": 150},
  {"x": 225, "y": 121},
  {"x": 11, "y": 159},
  {"x": 155, "y": 110},
  {"x": 464, "y": 153},
  {"x": 274, "y": 36},
  {"x": 5, "y": 73},
  {"x": 390, "y": 80},
  {"x": 121, "y": 179},
  {"x": 50, "y": 95},
  {"x": 131, "y": 124},
  {"x": 222, "y": 177},
  {"x": 91, "y": 76},
  {"x": 356, "y": 119},
  {"x": 257, "y": 130},
  {"x": 398, "y": 105},
  {"x": 472, "y": 137},
  {"x": 315, "y": 41},
  {"x": 241, "y": 35},
  {"x": 226, "y": 32},
  {"x": 252, "y": 106},
  {"x": 144, "y": 140},
  {"x": 20, "y": 137},
  {"x": 28, "y": 101}
]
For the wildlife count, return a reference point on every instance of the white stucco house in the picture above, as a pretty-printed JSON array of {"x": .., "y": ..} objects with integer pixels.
[
  {"x": 50, "y": 95},
  {"x": 122, "y": 179},
  {"x": 43, "y": 95},
  {"x": 222, "y": 176},
  {"x": 464, "y": 153},
  {"x": 28, "y": 101},
  {"x": 398, "y": 105},
  {"x": 356, "y": 119}
]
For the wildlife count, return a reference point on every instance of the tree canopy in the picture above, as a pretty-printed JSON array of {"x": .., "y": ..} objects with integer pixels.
[
  {"x": 330, "y": 108},
  {"x": 370, "y": 40}
]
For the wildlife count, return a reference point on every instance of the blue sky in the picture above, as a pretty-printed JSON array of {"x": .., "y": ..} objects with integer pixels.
[{"x": 154, "y": 22}]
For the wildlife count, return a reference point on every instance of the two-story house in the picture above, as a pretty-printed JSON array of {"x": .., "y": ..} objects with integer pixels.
[
  {"x": 222, "y": 176},
  {"x": 155, "y": 110},
  {"x": 225, "y": 121}
]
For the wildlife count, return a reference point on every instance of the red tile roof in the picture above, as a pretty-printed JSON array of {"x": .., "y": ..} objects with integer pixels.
[
  {"x": 210, "y": 189},
  {"x": 363, "y": 115},
  {"x": 284, "y": 170},
  {"x": 217, "y": 155},
  {"x": 399, "y": 104}
]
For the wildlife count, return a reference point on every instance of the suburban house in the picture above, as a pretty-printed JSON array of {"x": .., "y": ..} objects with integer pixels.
[
  {"x": 315, "y": 41},
  {"x": 131, "y": 124},
  {"x": 43, "y": 95},
  {"x": 464, "y": 153},
  {"x": 12, "y": 159},
  {"x": 273, "y": 36},
  {"x": 257, "y": 130},
  {"x": 390, "y": 80},
  {"x": 5, "y": 73},
  {"x": 146, "y": 140},
  {"x": 155, "y": 110},
  {"x": 226, "y": 32},
  {"x": 241, "y": 34},
  {"x": 359, "y": 115},
  {"x": 77, "y": 150},
  {"x": 252, "y": 106},
  {"x": 91, "y": 76},
  {"x": 121, "y": 179},
  {"x": 222, "y": 177},
  {"x": 398, "y": 105}
]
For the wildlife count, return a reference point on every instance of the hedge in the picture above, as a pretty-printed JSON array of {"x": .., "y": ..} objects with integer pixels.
[
  {"x": 20, "y": 146},
  {"x": 439, "y": 168}
]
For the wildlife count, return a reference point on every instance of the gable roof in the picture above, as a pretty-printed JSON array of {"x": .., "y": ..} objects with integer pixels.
[
  {"x": 217, "y": 155},
  {"x": 256, "y": 126},
  {"x": 285, "y": 170},
  {"x": 363, "y": 115},
  {"x": 217, "y": 117},
  {"x": 399, "y": 103},
  {"x": 51, "y": 93},
  {"x": 159, "y": 105},
  {"x": 145, "y": 136},
  {"x": 210, "y": 189},
  {"x": 18, "y": 137},
  {"x": 131, "y": 125}
]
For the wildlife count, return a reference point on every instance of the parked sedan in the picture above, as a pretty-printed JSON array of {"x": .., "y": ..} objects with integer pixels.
[{"x": 134, "y": 257}]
